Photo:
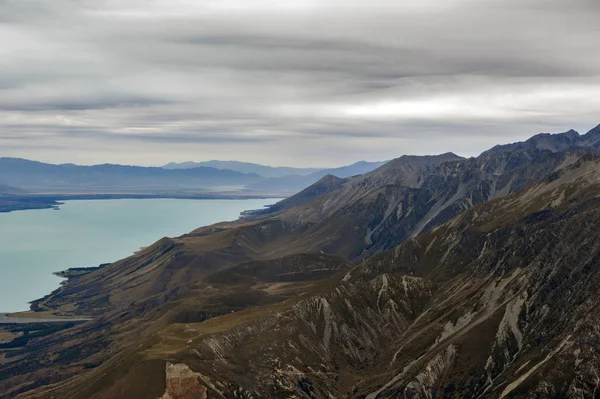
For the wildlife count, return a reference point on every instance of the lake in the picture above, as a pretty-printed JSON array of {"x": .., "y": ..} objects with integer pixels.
[{"x": 36, "y": 243}]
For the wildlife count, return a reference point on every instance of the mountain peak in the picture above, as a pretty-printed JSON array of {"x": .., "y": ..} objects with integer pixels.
[
  {"x": 326, "y": 184},
  {"x": 554, "y": 142},
  {"x": 424, "y": 159},
  {"x": 450, "y": 154},
  {"x": 330, "y": 178},
  {"x": 572, "y": 133}
]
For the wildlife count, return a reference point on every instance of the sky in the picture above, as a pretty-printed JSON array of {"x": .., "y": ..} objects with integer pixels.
[{"x": 294, "y": 82}]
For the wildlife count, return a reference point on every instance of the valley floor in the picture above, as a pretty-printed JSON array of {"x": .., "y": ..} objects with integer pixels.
[{"x": 36, "y": 317}]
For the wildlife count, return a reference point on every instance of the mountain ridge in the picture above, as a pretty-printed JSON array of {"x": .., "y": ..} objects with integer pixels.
[
  {"x": 276, "y": 172},
  {"x": 111, "y": 179},
  {"x": 553, "y": 142},
  {"x": 475, "y": 307},
  {"x": 456, "y": 261},
  {"x": 245, "y": 167},
  {"x": 35, "y": 176},
  {"x": 292, "y": 184}
]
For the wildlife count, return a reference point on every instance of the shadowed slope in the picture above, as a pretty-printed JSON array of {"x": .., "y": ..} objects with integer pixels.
[
  {"x": 496, "y": 302},
  {"x": 358, "y": 219},
  {"x": 326, "y": 185},
  {"x": 427, "y": 289}
]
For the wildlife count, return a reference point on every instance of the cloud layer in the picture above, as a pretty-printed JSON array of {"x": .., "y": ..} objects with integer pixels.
[{"x": 299, "y": 82}]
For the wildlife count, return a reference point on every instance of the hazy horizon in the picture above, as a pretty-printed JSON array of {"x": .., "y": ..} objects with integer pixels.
[{"x": 291, "y": 164}]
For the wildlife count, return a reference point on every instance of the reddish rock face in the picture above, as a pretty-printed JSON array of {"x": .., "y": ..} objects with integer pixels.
[{"x": 183, "y": 383}]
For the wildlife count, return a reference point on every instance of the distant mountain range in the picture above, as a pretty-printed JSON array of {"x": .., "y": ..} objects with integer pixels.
[
  {"x": 37, "y": 177},
  {"x": 283, "y": 180},
  {"x": 24, "y": 177},
  {"x": 245, "y": 167},
  {"x": 292, "y": 184}
]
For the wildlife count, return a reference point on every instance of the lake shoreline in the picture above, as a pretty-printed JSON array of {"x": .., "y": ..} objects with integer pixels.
[
  {"x": 15, "y": 203},
  {"x": 89, "y": 232}
]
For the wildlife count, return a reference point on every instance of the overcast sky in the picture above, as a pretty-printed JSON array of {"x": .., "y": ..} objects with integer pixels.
[{"x": 290, "y": 82}]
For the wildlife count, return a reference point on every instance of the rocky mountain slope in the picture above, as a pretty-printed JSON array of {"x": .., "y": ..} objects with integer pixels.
[
  {"x": 376, "y": 211},
  {"x": 498, "y": 302},
  {"x": 324, "y": 186},
  {"x": 483, "y": 276}
]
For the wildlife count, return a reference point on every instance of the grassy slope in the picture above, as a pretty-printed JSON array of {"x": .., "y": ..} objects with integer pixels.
[
  {"x": 141, "y": 295},
  {"x": 458, "y": 311}
]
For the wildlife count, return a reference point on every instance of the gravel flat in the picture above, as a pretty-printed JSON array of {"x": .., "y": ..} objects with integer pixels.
[{"x": 5, "y": 319}]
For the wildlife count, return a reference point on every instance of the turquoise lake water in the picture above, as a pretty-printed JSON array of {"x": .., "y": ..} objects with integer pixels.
[{"x": 36, "y": 243}]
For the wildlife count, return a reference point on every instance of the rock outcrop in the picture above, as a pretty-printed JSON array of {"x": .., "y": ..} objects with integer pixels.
[{"x": 183, "y": 383}]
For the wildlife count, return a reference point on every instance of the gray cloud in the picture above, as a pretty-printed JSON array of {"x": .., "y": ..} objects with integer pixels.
[{"x": 292, "y": 83}]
